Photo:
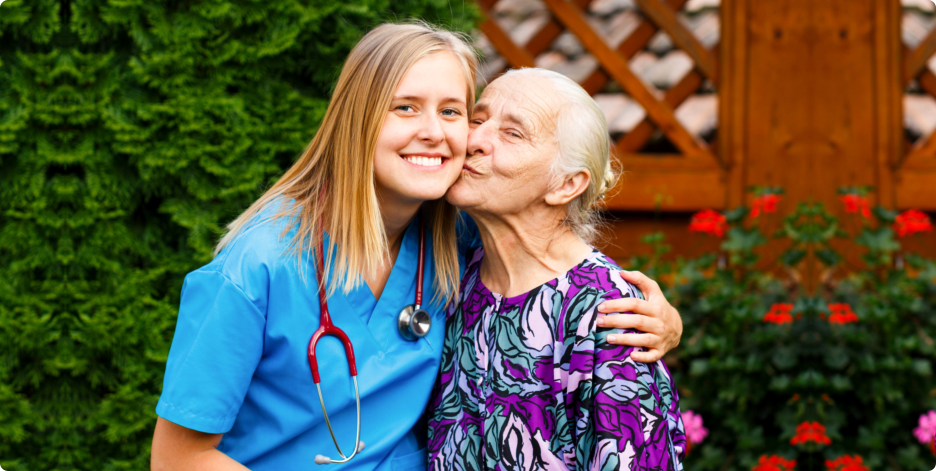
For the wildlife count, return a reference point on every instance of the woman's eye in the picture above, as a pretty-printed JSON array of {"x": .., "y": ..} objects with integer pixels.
[
  {"x": 476, "y": 122},
  {"x": 451, "y": 112},
  {"x": 406, "y": 108}
]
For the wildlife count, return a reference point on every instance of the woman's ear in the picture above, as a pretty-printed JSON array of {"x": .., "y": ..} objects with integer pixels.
[{"x": 572, "y": 186}]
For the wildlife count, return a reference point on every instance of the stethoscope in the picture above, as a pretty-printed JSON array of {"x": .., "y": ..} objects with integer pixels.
[{"x": 414, "y": 322}]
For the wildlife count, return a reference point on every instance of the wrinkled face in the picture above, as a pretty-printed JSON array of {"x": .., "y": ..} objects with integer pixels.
[
  {"x": 511, "y": 147},
  {"x": 421, "y": 146}
]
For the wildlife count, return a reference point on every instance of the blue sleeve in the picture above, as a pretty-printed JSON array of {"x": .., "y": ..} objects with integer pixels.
[
  {"x": 217, "y": 345},
  {"x": 468, "y": 235}
]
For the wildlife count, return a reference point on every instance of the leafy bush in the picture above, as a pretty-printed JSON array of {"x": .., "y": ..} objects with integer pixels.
[
  {"x": 130, "y": 132},
  {"x": 808, "y": 357}
]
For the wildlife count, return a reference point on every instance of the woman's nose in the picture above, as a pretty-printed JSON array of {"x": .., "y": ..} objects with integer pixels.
[
  {"x": 431, "y": 129},
  {"x": 480, "y": 141}
]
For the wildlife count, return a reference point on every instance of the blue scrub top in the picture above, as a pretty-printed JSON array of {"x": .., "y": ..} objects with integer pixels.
[{"x": 238, "y": 362}]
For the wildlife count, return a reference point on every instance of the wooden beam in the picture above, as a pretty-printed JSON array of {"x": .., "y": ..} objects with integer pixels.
[
  {"x": 661, "y": 162},
  {"x": 634, "y": 43},
  {"x": 549, "y": 32},
  {"x": 927, "y": 81},
  {"x": 681, "y": 36},
  {"x": 543, "y": 38},
  {"x": 733, "y": 97},
  {"x": 917, "y": 58},
  {"x": 672, "y": 189},
  {"x": 634, "y": 140},
  {"x": 617, "y": 67},
  {"x": 888, "y": 97},
  {"x": 922, "y": 155},
  {"x": 915, "y": 189},
  {"x": 638, "y": 137},
  {"x": 645, "y": 32},
  {"x": 514, "y": 55}
]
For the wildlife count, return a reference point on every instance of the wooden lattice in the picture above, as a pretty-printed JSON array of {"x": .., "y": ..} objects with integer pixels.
[
  {"x": 921, "y": 153},
  {"x": 695, "y": 157}
]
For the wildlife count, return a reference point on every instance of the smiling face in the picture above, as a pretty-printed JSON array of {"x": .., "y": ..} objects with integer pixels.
[
  {"x": 511, "y": 148},
  {"x": 421, "y": 146}
]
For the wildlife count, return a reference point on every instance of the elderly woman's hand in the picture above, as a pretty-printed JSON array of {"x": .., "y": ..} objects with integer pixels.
[{"x": 659, "y": 322}]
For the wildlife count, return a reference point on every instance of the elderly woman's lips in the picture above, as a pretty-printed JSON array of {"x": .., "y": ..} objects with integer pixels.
[{"x": 469, "y": 169}]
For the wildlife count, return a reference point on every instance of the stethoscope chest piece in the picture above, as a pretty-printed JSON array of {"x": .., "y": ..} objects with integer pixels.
[{"x": 414, "y": 323}]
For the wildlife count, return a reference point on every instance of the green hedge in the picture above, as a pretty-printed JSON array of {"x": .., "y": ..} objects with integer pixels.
[
  {"x": 812, "y": 340},
  {"x": 131, "y": 131}
]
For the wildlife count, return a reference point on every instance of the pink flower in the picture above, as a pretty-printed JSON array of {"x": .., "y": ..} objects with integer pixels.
[
  {"x": 695, "y": 432},
  {"x": 927, "y": 429}
]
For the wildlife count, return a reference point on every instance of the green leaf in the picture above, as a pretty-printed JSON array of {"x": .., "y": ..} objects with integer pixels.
[
  {"x": 922, "y": 367},
  {"x": 883, "y": 214},
  {"x": 836, "y": 357},
  {"x": 792, "y": 257},
  {"x": 784, "y": 358},
  {"x": 828, "y": 257},
  {"x": 736, "y": 215}
]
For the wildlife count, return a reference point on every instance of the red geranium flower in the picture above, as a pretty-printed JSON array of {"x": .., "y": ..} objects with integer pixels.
[
  {"x": 766, "y": 203},
  {"x": 779, "y": 314},
  {"x": 710, "y": 222},
  {"x": 774, "y": 463},
  {"x": 912, "y": 221},
  {"x": 846, "y": 463},
  {"x": 855, "y": 203},
  {"x": 841, "y": 314},
  {"x": 810, "y": 432}
]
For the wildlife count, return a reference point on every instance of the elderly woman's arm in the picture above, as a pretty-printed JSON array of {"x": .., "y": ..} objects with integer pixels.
[
  {"x": 658, "y": 321},
  {"x": 631, "y": 409}
]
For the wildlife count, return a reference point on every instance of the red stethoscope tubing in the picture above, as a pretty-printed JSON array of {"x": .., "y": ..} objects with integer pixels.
[
  {"x": 325, "y": 324},
  {"x": 419, "y": 266},
  {"x": 326, "y": 327}
]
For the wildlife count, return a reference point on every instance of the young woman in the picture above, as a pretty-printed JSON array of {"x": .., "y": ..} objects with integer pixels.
[{"x": 238, "y": 391}]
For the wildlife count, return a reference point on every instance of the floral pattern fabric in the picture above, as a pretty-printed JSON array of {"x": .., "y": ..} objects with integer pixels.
[{"x": 530, "y": 383}]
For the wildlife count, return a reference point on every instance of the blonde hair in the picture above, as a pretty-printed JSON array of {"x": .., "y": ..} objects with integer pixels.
[
  {"x": 334, "y": 176},
  {"x": 584, "y": 144}
]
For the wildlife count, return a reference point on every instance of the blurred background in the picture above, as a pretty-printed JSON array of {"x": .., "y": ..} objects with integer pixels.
[{"x": 778, "y": 179}]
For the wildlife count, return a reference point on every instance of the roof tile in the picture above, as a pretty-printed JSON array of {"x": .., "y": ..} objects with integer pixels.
[{"x": 919, "y": 114}]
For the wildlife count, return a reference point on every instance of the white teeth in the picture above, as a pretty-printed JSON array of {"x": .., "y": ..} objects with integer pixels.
[{"x": 424, "y": 161}]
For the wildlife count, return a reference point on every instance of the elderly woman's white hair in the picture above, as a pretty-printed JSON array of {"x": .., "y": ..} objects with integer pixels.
[{"x": 584, "y": 144}]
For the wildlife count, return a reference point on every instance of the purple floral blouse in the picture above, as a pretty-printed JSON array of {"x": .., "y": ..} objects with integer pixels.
[{"x": 529, "y": 382}]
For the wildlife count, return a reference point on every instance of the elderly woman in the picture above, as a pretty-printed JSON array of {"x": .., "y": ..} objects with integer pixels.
[{"x": 528, "y": 380}]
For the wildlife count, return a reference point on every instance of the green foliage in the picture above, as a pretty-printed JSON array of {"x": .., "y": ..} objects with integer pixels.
[
  {"x": 130, "y": 133},
  {"x": 866, "y": 380}
]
